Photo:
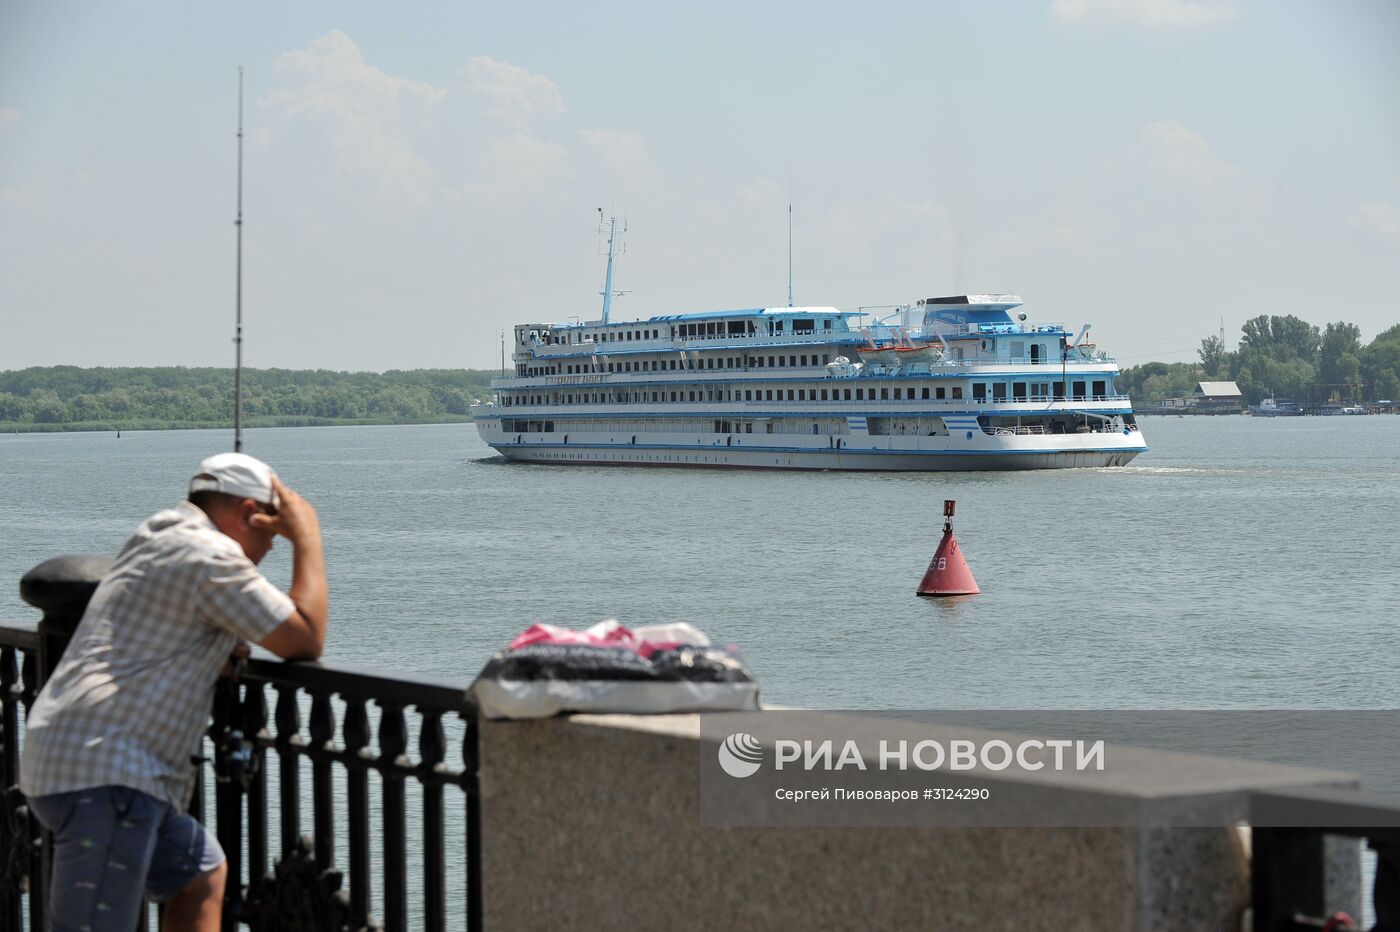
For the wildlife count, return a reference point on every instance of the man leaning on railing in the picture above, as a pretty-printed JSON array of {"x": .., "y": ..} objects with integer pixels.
[{"x": 108, "y": 746}]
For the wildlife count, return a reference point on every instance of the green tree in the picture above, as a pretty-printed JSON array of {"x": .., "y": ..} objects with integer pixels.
[
  {"x": 45, "y": 407},
  {"x": 1214, "y": 358},
  {"x": 1339, "y": 361},
  {"x": 1380, "y": 365}
]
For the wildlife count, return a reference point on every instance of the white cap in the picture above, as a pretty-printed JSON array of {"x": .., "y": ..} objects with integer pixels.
[{"x": 236, "y": 474}]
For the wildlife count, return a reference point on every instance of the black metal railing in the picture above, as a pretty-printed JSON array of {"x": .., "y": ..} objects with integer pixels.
[
  {"x": 356, "y": 735},
  {"x": 1289, "y": 864}
]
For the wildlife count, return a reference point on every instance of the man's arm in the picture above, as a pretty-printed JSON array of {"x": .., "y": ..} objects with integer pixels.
[{"x": 302, "y": 636}]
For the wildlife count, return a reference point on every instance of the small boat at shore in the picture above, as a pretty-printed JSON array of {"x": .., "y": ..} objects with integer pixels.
[{"x": 1276, "y": 407}]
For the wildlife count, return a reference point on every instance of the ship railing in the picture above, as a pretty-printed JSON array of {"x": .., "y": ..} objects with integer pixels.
[
  {"x": 365, "y": 781},
  {"x": 968, "y": 362},
  {"x": 832, "y": 406},
  {"x": 1040, "y": 329},
  {"x": 1039, "y": 429},
  {"x": 1022, "y": 431}
]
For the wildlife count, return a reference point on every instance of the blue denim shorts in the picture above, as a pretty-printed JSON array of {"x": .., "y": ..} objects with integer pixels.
[{"x": 111, "y": 846}]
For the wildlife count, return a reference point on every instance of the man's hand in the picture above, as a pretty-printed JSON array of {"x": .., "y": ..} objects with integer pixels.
[{"x": 295, "y": 518}]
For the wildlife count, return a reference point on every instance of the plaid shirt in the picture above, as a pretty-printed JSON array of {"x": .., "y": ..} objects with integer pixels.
[{"x": 132, "y": 695}]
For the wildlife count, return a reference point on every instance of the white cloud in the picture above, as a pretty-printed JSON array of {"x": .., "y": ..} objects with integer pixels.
[
  {"x": 10, "y": 117},
  {"x": 369, "y": 116},
  {"x": 409, "y": 141},
  {"x": 511, "y": 92},
  {"x": 1169, "y": 149},
  {"x": 1151, "y": 13},
  {"x": 1381, "y": 219},
  {"x": 20, "y": 195}
]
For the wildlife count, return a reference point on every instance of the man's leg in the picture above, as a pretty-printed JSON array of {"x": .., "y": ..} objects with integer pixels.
[
  {"x": 188, "y": 873},
  {"x": 103, "y": 840},
  {"x": 197, "y": 907}
]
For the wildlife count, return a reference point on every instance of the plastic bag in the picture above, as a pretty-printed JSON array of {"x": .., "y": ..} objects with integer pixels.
[{"x": 547, "y": 670}]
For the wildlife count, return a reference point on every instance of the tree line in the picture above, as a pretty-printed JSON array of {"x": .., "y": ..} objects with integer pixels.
[
  {"x": 1283, "y": 356},
  {"x": 69, "y": 397}
]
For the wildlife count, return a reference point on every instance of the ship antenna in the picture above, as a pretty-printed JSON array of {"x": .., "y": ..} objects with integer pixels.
[
  {"x": 238, "y": 288},
  {"x": 789, "y": 236},
  {"x": 616, "y": 248}
]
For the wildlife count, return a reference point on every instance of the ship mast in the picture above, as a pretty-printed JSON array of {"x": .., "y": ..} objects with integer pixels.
[
  {"x": 615, "y": 249},
  {"x": 789, "y": 236}
]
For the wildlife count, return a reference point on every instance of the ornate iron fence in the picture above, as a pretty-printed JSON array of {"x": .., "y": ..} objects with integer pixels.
[{"x": 303, "y": 886}]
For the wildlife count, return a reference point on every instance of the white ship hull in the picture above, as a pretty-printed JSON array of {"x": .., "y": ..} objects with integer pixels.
[
  {"x": 955, "y": 452},
  {"x": 867, "y": 462}
]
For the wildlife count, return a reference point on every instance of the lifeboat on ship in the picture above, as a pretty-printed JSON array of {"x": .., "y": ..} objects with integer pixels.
[{"x": 898, "y": 350}]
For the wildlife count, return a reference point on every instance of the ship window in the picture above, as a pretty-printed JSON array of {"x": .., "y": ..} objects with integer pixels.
[
  {"x": 999, "y": 390},
  {"x": 898, "y": 394},
  {"x": 940, "y": 392},
  {"x": 792, "y": 360},
  {"x": 860, "y": 394},
  {"x": 804, "y": 326},
  {"x": 1100, "y": 389},
  {"x": 1078, "y": 389},
  {"x": 885, "y": 393},
  {"x": 979, "y": 391},
  {"x": 692, "y": 396},
  {"x": 826, "y": 324},
  {"x": 957, "y": 391},
  {"x": 782, "y": 360},
  {"x": 925, "y": 396},
  {"x": 848, "y": 394},
  {"x": 804, "y": 360},
  {"x": 790, "y": 398},
  {"x": 824, "y": 398},
  {"x": 1018, "y": 389},
  {"x": 802, "y": 394},
  {"x": 748, "y": 395},
  {"x": 770, "y": 395}
]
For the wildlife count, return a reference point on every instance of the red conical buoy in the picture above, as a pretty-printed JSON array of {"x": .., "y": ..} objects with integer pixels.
[{"x": 947, "y": 572}]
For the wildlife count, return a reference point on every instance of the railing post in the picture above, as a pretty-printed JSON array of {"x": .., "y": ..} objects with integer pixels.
[
  {"x": 1288, "y": 876},
  {"x": 393, "y": 742},
  {"x": 228, "y": 794},
  {"x": 61, "y": 588},
  {"x": 355, "y": 732},
  {"x": 471, "y": 788},
  {"x": 1386, "y": 891},
  {"x": 15, "y": 846}
]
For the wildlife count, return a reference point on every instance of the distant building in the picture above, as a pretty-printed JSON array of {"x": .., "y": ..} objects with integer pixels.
[{"x": 1217, "y": 398}]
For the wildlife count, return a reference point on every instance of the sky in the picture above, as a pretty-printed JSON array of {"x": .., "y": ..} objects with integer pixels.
[{"x": 419, "y": 177}]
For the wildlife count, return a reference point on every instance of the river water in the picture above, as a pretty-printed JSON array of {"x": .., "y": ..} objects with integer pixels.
[{"x": 1239, "y": 563}]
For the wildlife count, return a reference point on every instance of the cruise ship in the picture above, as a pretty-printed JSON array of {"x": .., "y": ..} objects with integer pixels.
[{"x": 958, "y": 382}]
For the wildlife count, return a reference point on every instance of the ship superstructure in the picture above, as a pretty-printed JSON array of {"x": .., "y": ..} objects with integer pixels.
[{"x": 943, "y": 383}]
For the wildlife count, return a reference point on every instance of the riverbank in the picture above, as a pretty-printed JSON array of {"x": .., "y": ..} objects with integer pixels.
[{"x": 14, "y": 427}]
